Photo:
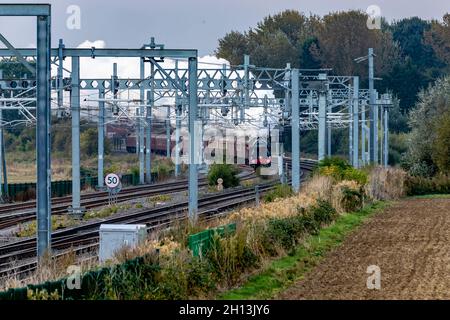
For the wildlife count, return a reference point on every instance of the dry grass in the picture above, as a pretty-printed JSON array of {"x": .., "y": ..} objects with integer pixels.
[
  {"x": 165, "y": 247},
  {"x": 319, "y": 187},
  {"x": 171, "y": 244},
  {"x": 340, "y": 199},
  {"x": 51, "y": 269},
  {"x": 386, "y": 184},
  {"x": 22, "y": 165}
]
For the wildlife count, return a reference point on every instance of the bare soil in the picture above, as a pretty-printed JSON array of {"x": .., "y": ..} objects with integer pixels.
[{"x": 410, "y": 242}]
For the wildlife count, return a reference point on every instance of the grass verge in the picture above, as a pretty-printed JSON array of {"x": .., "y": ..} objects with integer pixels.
[{"x": 283, "y": 272}]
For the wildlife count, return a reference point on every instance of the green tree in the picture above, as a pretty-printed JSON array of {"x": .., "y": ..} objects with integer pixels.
[
  {"x": 89, "y": 142},
  {"x": 441, "y": 146},
  {"x": 425, "y": 121},
  {"x": 232, "y": 47},
  {"x": 439, "y": 38},
  {"x": 344, "y": 36}
]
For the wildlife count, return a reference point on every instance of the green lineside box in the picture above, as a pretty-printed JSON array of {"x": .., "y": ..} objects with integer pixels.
[{"x": 201, "y": 242}]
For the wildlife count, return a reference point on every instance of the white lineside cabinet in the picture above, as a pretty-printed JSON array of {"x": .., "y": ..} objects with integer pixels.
[{"x": 113, "y": 237}]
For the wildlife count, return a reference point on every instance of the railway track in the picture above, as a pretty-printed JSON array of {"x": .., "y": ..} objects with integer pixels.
[
  {"x": 13, "y": 214},
  {"x": 85, "y": 237}
]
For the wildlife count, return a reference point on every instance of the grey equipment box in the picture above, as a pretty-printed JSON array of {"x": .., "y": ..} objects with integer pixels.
[{"x": 114, "y": 237}]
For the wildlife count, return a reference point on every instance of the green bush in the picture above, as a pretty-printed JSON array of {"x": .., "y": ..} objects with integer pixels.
[
  {"x": 226, "y": 172},
  {"x": 416, "y": 185},
  {"x": 280, "y": 191},
  {"x": 339, "y": 169},
  {"x": 230, "y": 256},
  {"x": 342, "y": 164},
  {"x": 323, "y": 212},
  {"x": 287, "y": 232},
  {"x": 355, "y": 175},
  {"x": 352, "y": 200}
]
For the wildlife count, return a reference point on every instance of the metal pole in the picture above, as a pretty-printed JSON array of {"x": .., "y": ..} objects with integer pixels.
[
  {"x": 148, "y": 146},
  {"x": 329, "y": 111},
  {"x": 295, "y": 132},
  {"x": 356, "y": 122},
  {"x": 322, "y": 123},
  {"x": 141, "y": 127},
  {"x": 350, "y": 127},
  {"x": 381, "y": 141},
  {"x": 373, "y": 120},
  {"x": 178, "y": 111},
  {"x": 101, "y": 136},
  {"x": 257, "y": 195},
  {"x": 168, "y": 132},
  {"x": 4, "y": 168},
  {"x": 193, "y": 148},
  {"x": 60, "y": 78},
  {"x": 363, "y": 134},
  {"x": 43, "y": 136},
  {"x": 75, "y": 108},
  {"x": 246, "y": 87},
  {"x": 1, "y": 145},
  {"x": 386, "y": 136},
  {"x": 287, "y": 107}
]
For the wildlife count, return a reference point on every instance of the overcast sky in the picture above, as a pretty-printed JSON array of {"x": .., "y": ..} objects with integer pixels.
[{"x": 187, "y": 23}]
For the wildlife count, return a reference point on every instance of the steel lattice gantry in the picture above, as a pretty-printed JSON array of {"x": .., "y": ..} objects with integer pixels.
[
  {"x": 43, "y": 55},
  {"x": 308, "y": 100},
  {"x": 42, "y": 12},
  {"x": 325, "y": 102}
]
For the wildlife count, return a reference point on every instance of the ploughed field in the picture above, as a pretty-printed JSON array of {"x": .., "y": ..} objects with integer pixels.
[{"x": 409, "y": 241}]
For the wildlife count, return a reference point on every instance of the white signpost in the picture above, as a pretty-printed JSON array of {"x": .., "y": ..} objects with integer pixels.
[{"x": 114, "y": 185}]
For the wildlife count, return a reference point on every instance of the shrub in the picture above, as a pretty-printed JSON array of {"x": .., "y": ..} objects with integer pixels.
[
  {"x": 386, "y": 183},
  {"x": 281, "y": 191},
  {"x": 286, "y": 233},
  {"x": 347, "y": 196},
  {"x": 339, "y": 169},
  {"x": 355, "y": 175},
  {"x": 319, "y": 187},
  {"x": 230, "y": 256},
  {"x": 226, "y": 172},
  {"x": 340, "y": 163},
  {"x": 323, "y": 212},
  {"x": 439, "y": 184},
  {"x": 163, "y": 171}
]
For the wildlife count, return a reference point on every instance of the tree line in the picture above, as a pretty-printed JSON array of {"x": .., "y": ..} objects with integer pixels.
[
  {"x": 411, "y": 53},
  {"x": 412, "y": 58}
]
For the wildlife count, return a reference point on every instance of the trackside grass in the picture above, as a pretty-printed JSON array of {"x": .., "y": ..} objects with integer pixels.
[{"x": 282, "y": 272}]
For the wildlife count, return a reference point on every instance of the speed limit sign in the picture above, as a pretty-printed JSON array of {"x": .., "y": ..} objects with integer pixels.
[{"x": 112, "y": 180}]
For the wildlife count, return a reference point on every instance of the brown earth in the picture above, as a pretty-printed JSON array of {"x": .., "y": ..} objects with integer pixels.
[{"x": 410, "y": 242}]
